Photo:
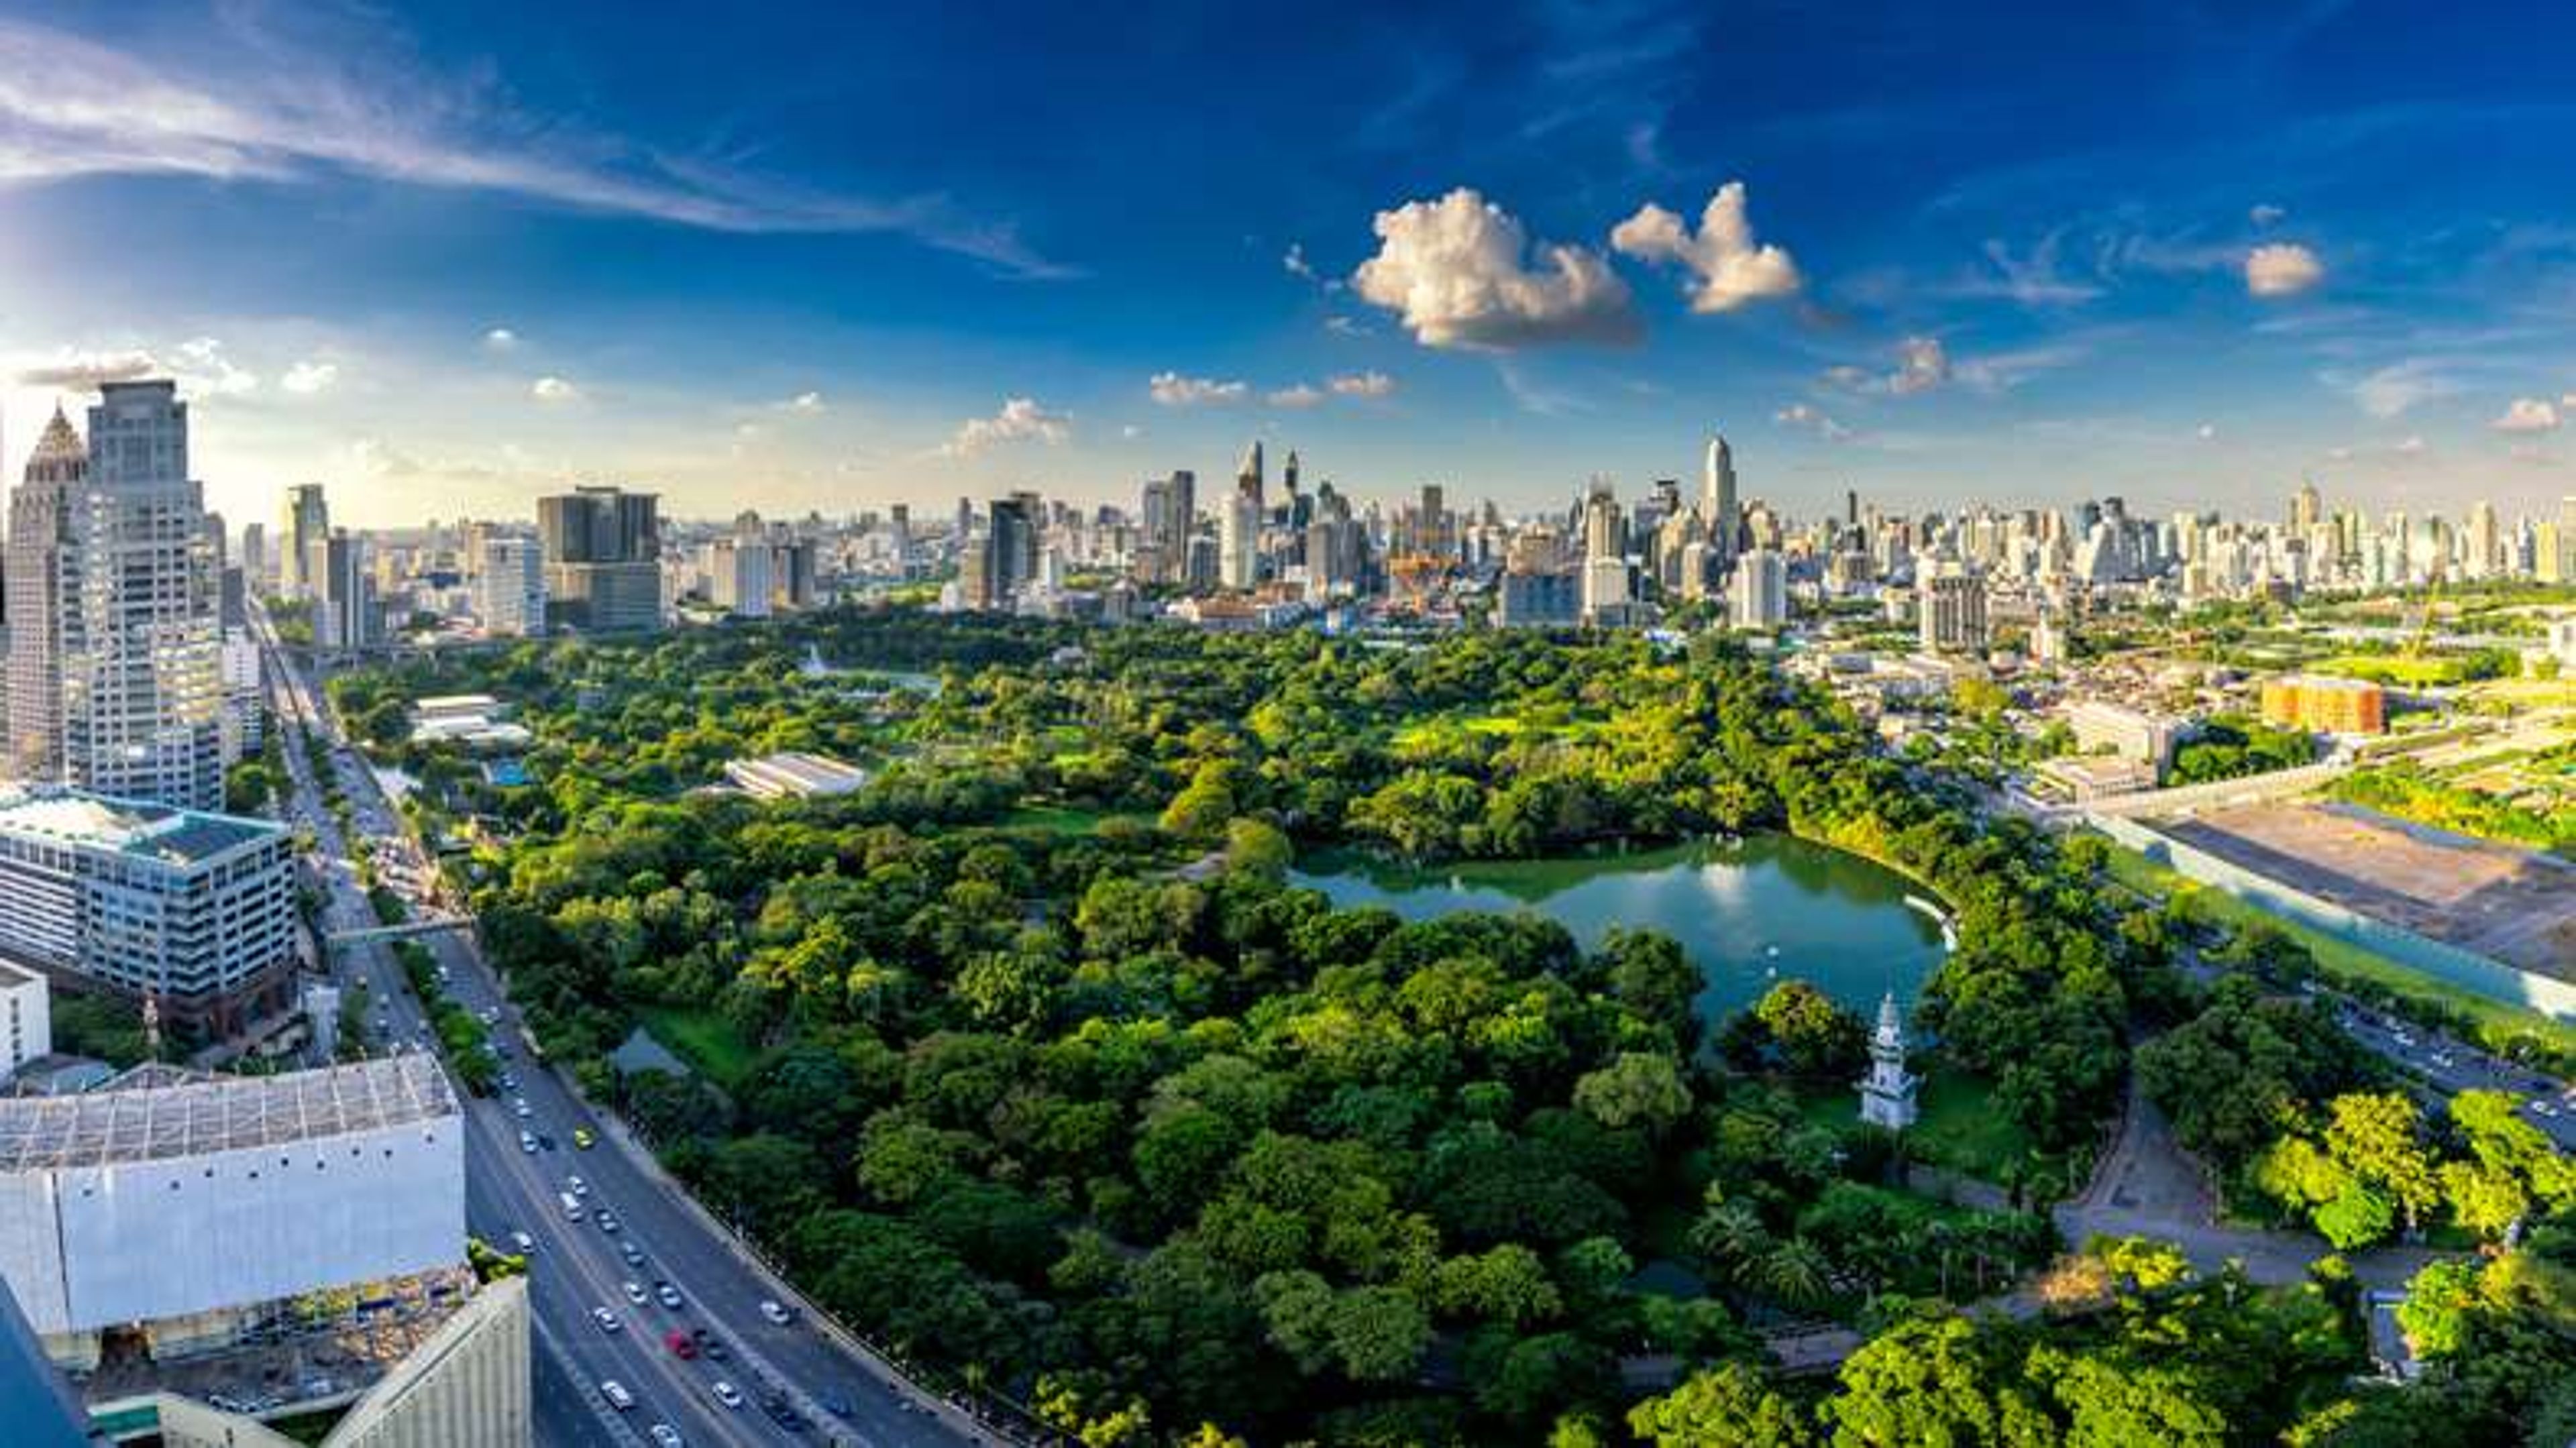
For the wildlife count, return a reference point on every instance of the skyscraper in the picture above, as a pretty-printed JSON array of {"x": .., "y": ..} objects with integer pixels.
[
  {"x": 38, "y": 514},
  {"x": 142, "y": 662},
  {"x": 603, "y": 551},
  {"x": 307, "y": 521},
  {"x": 1717, "y": 500},
  {"x": 510, "y": 586}
]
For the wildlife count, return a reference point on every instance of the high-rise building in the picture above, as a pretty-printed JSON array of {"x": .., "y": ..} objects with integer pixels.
[
  {"x": 142, "y": 680},
  {"x": 738, "y": 574},
  {"x": 343, "y": 591},
  {"x": 307, "y": 521},
  {"x": 1952, "y": 613},
  {"x": 39, "y": 517},
  {"x": 1761, "y": 590},
  {"x": 1238, "y": 543},
  {"x": 603, "y": 550},
  {"x": 510, "y": 586},
  {"x": 1717, "y": 500},
  {"x": 1011, "y": 554}
]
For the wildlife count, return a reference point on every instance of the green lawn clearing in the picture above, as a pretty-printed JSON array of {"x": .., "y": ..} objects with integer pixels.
[{"x": 704, "y": 1039}]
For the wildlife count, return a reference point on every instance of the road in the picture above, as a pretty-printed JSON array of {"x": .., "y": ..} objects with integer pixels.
[{"x": 575, "y": 1268}]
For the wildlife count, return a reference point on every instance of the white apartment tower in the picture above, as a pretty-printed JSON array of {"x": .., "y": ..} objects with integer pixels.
[
  {"x": 1761, "y": 590},
  {"x": 510, "y": 586},
  {"x": 141, "y": 649}
]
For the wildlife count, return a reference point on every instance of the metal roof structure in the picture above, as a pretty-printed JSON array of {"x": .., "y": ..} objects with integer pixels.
[{"x": 227, "y": 1113}]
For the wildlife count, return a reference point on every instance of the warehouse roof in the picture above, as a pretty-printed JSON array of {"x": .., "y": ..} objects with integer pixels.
[{"x": 152, "y": 1121}]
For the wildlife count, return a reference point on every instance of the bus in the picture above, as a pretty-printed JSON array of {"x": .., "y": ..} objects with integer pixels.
[{"x": 571, "y": 1206}]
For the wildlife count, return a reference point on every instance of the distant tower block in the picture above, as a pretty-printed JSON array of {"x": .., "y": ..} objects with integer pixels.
[{"x": 1887, "y": 1093}]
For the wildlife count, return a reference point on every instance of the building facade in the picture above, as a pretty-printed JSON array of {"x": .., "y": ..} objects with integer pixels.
[
  {"x": 510, "y": 586},
  {"x": 603, "y": 554},
  {"x": 39, "y": 519},
  {"x": 190, "y": 910}
]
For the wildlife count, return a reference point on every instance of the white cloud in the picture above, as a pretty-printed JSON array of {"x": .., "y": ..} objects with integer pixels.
[
  {"x": 2207, "y": 432},
  {"x": 1295, "y": 262},
  {"x": 307, "y": 378},
  {"x": 2528, "y": 414},
  {"x": 2399, "y": 386},
  {"x": 501, "y": 339},
  {"x": 1171, "y": 389},
  {"x": 1728, "y": 268},
  {"x": 1020, "y": 420},
  {"x": 83, "y": 372},
  {"x": 2411, "y": 445},
  {"x": 1299, "y": 395},
  {"x": 2266, "y": 214},
  {"x": 1130, "y": 431},
  {"x": 1800, "y": 415},
  {"x": 553, "y": 389},
  {"x": 2568, "y": 401},
  {"x": 1362, "y": 384},
  {"x": 203, "y": 369},
  {"x": 2282, "y": 269},
  {"x": 1341, "y": 326},
  {"x": 1459, "y": 272},
  {"x": 1921, "y": 365},
  {"x": 255, "y": 102},
  {"x": 803, "y": 402}
]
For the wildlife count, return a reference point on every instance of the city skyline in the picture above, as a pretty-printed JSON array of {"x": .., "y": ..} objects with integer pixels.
[{"x": 1498, "y": 258}]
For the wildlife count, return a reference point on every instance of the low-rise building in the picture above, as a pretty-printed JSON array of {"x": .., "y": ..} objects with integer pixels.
[
  {"x": 793, "y": 775},
  {"x": 192, "y": 911},
  {"x": 2325, "y": 705},
  {"x": 2085, "y": 778},
  {"x": 2129, "y": 733},
  {"x": 26, "y": 1019}
]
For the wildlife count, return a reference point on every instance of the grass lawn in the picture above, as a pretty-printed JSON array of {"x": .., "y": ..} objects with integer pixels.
[
  {"x": 2336, "y": 957},
  {"x": 704, "y": 1039},
  {"x": 1962, "y": 1129},
  {"x": 1065, "y": 819}
]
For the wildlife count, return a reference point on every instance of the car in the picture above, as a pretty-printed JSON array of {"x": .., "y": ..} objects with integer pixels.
[
  {"x": 667, "y": 1295},
  {"x": 784, "y": 1414},
  {"x": 664, "y": 1436},
  {"x": 528, "y": 1143},
  {"x": 523, "y": 1242},
  {"x": 635, "y": 1293},
  {"x": 715, "y": 1349},
  {"x": 606, "y": 1319},
  {"x": 520, "y": 1108},
  {"x": 509, "y": 1082},
  {"x": 775, "y": 1313},
  {"x": 682, "y": 1346},
  {"x": 607, "y": 1220},
  {"x": 633, "y": 1254},
  {"x": 837, "y": 1406},
  {"x": 727, "y": 1394},
  {"x": 576, "y": 1186},
  {"x": 546, "y": 1140},
  {"x": 616, "y": 1394},
  {"x": 583, "y": 1139}
]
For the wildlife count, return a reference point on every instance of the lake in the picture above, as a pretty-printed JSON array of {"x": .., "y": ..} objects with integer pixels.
[{"x": 1748, "y": 913}]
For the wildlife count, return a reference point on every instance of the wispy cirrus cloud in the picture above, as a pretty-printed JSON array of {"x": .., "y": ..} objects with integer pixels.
[{"x": 256, "y": 105}]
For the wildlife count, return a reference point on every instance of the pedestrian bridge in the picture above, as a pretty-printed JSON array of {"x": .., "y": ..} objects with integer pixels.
[{"x": 419, "y": 925}]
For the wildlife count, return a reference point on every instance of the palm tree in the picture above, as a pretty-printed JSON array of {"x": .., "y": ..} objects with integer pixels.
[
  {"x": 1730, "y": 1237},
  {"x": 1796, "y": 1275}
]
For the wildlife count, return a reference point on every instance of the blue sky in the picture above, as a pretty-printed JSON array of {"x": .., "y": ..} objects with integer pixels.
[{"x": 823, "y": 258}]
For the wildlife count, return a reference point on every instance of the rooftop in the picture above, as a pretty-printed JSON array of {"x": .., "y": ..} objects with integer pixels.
[
  {"x": 135, "y": 827},
  {"x": 159, "y": 1117}
]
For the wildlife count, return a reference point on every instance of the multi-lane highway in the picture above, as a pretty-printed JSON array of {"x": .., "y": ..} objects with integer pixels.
[{"x": 794, "y": 1382}]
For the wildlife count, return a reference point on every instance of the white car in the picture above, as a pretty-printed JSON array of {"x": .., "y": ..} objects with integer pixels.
[
  {"x": 774, "y": 1312},
  {"x": 635, "y": 1293},
  {"x": 616, "y": 1394},
  {"x": 668, "y": 1295},
  {"x": 577, "y": 1186},
  {"x": 727, "y": 1394},
  {"x": 520, "y": 1108},
  {"x": 606, "y": 1319},
  {"x": 528, "y": 1142},
  {"x": 523, "y": 1242},
  {"x": 664, "y": 1436}
]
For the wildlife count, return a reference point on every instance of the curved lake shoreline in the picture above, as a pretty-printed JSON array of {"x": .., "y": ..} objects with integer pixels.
[{"x": 1749, "y": 913}]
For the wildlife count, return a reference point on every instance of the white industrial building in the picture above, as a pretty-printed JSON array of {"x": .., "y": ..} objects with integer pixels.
[
  {"x": 194, "y": 911},
  {"x": 794, "y": 775},
  {"x": 181, "y": 1209}
]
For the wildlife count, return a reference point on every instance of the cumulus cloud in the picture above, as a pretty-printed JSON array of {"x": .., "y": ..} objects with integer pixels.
[
  {"x": 803, "y": 402},
  {"x": 1800, "y": 415},
  {"x": 2266, "y": 214},
  {"x": 1295, "y": 262},
  {"x": 307, "y": 378},
  {"x": 553, "y": 389},
  {"x": 1020, "y": 420},
  {"x": 1299, "y": 395},
  {"x": 1171, "y": 389},
  {"x": 2282, "y": 269},
  {"x": 2528, "y": 414},
  {"x": 1461, "y": 272},
  {"x": 1363, "y": 384},
  {"x": 203, "y": 368},
  {"x": 501, "y": 339},
  {"x": 1728, "y": 268},
  {"x": 1921, "y": 365},
  {"x": 83, "y": 373}
]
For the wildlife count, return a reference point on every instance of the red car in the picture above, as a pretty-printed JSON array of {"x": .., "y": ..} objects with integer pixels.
[{"x": 679, "y": 1344}]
